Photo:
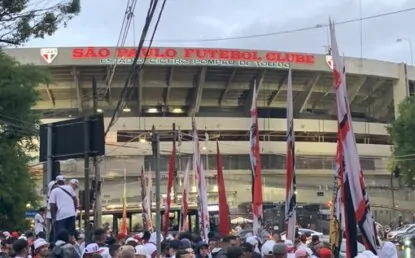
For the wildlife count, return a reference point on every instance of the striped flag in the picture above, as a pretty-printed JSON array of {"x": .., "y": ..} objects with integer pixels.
[
  {"x": 149, "y": 196},
  {"x": 146, "y": 185},
  {"x": 291, "y": 200},
  {"x": 124, "y": 206},
  {"x": 202, "y": 201},
  {"x": 185, "y": 201},
  {"x": 336, "y": 209},
  {"x": 172, "y": 167},
  {"x": 255, "y": 160},
  {"x": 357, "y": 210}
]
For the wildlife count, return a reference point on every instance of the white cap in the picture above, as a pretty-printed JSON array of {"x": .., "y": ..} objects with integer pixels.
[
  {"x": 23, "y": 237},
  {"x": 6, "y": 234},
  {"x": 51, "y": 184},
  {"x": 60, "y": 178},
  {"x": 289, "y": 243},
  {"x": 131, "y": 239},
  {"x": 252, "y": 241},
  {"x": 74, "y": 181},
  {"x": 267, "y": 247},
  {"x": 91, "y": 249},
  {"x": 140, "y": 250},
  {"x": 40, "y": 242},
  {"x": 140, "y": 235}
]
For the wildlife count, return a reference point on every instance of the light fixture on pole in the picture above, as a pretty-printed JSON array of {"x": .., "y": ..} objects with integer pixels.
[{"x": 410, "y": 47}]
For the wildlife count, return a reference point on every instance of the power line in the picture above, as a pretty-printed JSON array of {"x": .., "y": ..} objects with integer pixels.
[
  {"x": 148, "y": 49},
  {"x": 122, "y": 99},
  {"x": 317, "y": 26},
  {"x": 134, "y": 72},
  {"x": 125, "y": 29}
]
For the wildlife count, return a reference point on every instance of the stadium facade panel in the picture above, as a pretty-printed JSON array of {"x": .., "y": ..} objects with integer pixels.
[{"x": 215, "y": 85}]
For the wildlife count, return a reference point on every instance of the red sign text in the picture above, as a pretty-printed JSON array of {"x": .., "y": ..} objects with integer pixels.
[{"x": 193, "y": 53}]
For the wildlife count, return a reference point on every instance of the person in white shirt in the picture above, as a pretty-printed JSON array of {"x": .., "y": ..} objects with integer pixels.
[
  {"x": 63, "y": 204},
  {"x": 40, "y": 225},
  {"x": 59, "y": 181}
]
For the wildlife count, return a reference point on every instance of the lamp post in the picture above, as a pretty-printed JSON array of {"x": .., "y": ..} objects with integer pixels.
[{"x": 410, "y": 47}]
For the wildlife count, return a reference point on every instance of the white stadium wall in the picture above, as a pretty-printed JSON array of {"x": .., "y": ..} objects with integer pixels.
[
  {"x": 302, "y": 148},
  {"x": 232, "y": 124}
]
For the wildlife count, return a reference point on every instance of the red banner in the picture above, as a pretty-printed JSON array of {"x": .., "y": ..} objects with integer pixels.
[
  {"x": 172, "y": 164},
  {"x": 223, "y": 204}
]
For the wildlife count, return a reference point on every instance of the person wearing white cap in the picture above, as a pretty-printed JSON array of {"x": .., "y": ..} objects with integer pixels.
[
  {"x": 252, "y": 240},
  {"x": 49, "y": 227},
  {"x": 150, "y": 246},
  {"x": 74, "y": 183},
  {"x": 140, "y": 252},
  {"x": 90, "y": 250},
  {"x": 63, "y": 204},
  {"x": 41, "y": 248}
]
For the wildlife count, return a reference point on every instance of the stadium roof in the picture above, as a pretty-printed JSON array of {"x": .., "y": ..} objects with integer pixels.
[{"x": 208, "y": 80}]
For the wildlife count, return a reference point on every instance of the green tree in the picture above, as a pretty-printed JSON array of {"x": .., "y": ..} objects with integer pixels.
[
  {"x": 18, "y": 128},
  {"x": 402, "y": 135},
  {"x": 21, "y": 20}
]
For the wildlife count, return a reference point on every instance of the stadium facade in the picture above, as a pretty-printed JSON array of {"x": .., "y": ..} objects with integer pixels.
[{"x": 215, "y": 85}]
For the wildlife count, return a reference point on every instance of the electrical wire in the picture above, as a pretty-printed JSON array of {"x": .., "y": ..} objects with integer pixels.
[
  {"x": 122, "y": 38},
  {"x": 148, "y": 49},
  {"x": 282, "y": 32},
  {"x": 122, "y": 99}
]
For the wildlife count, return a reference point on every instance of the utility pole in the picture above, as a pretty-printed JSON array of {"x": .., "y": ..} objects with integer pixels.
[
  {"x": 97, "y": 188},
  {"x": 155, "y": 143},
  {"x": 175, "y": 178},
  {"x": 393, "y": 197},
  {"x": 49, "y": 168},
  {"x": 86, "y": 178}
]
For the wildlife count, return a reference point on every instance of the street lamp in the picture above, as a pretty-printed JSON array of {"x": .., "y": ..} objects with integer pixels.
[{"x": 410, "y": 47}]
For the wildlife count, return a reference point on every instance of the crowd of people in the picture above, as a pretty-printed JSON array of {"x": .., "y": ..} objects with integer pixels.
[
  {"x": 57, "y": 221},
  {"x": 183, "y": 245}
]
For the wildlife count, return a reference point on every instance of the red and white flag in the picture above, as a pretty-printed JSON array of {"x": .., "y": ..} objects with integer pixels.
[
  {"x": 202, "y": 200},
  {"x": 255, "y": 159},
  {"x": 290, "y": 197},
  {"x": 185, "y": 200},
  {"x": 354, "y": 196},
  {"x": 223, "y": 203},
  {"x": 146, "y": 186},
  {"x": 172, "y": 167}
]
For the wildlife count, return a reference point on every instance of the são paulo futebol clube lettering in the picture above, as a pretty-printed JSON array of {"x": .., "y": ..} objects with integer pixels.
[{"x": 194, "y": 56}]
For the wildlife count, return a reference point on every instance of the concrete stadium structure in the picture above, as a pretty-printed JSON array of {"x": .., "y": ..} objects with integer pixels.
[{"x": 215, "y": 85}]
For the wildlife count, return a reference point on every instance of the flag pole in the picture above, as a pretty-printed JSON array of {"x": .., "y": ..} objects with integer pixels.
[
  {"x": 175, "y": 171},
  {"x": 291, "y": 198},
  {"x": 155, "y": 141}
]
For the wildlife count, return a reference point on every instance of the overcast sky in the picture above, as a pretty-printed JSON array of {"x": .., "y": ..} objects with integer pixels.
[{"x": 188, "y": 22}]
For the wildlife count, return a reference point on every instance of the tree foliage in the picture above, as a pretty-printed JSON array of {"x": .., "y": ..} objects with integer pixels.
[
  {"x": 18, "y": 127},
  {"x": 21, "y": 20},
  {"x": 402, "y": 134}
]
